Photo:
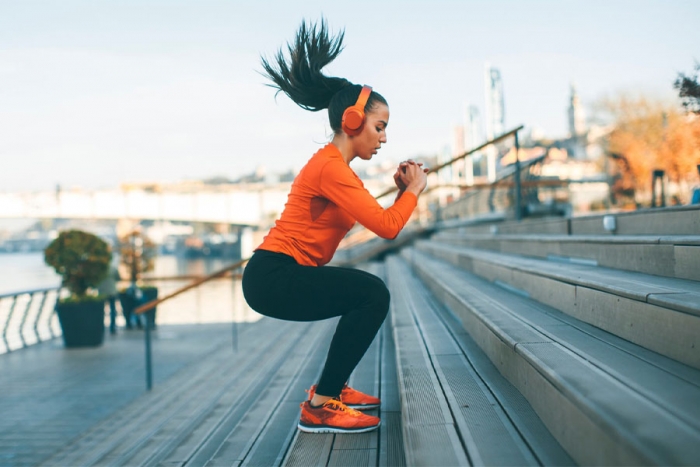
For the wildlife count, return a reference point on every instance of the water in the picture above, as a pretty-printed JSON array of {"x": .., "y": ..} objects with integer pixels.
[
  {"x": 25, "y": 271},
  {"x": 219, "y": 300}
]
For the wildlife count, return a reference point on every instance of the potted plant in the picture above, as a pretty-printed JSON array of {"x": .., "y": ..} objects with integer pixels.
[
  {"x": 82, "y": 260},
  {"x": 137, "y": 255}
]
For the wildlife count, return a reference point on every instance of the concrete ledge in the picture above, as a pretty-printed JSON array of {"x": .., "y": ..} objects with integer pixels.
[
  {"x": 670, "y": 256},
  {"x": 595, "y": 414},
  {"x": 677, "y": 220},
  {"x": 616, "y": 301}
]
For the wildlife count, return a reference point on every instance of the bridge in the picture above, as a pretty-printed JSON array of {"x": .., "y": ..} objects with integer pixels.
[{"x": 244, "y": 205}]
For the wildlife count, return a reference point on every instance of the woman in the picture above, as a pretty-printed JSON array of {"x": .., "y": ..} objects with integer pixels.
[{"x": 286, "y": 277}]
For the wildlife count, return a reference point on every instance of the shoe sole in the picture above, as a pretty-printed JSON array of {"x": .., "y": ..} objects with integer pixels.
[{"x": 332, "y": 429}]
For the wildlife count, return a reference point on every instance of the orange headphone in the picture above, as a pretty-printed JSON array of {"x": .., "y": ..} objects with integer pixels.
[{"x": 354, "y": 117}]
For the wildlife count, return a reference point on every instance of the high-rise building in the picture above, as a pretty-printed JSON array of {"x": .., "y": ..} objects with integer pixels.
[
  {"x": 457, "y": 150},
  {"x": 473, "y": 137},
  {"x": 495, "y": 105},
  {"x": 495, "y": 116},
  {"x": 458, "y": 140},
  {"x": 577, "y": 142},
  {"x": 577, "y": 117}
]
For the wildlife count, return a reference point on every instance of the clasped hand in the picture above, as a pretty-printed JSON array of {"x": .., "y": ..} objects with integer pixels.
[{"x": 411, "y": 174}]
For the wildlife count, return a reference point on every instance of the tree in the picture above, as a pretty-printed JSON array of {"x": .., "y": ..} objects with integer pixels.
[
  {"x": 137, "y": 254},
  {"x": 650, "y": 135},
  {"x": 689, "y": 90}
]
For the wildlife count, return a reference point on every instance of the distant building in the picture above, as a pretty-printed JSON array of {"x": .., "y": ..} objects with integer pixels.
[
  {"x": 457, "y": 140},
  {"x": 473, "y": 137},
  {"x": 578, "y": 133},
  {"x": 458, "y": 148},
  {"x": 473, "y": 133},
  {"x": 495, "y": 103},
  {"x": 577, "y": 117},
  {"x": 495, "y": 116}
]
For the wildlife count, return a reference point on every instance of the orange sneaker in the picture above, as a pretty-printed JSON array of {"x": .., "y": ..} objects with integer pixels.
[
  {"x": 335, "y": 417},
  {"x": 353, "y": 398}
]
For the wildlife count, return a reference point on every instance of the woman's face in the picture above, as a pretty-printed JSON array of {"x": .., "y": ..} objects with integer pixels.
[{"x": 369, "y": 141}]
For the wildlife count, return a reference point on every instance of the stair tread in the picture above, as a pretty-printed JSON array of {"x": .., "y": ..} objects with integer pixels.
[
  {"x": 678, "y": 294},
  {"x": 489, "y": 435},
  {"x": 554, "y": 238},
  {"x": 612, "y": 388}
]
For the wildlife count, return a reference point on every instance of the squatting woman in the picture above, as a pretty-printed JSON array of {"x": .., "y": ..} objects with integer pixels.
[{"x": 287, "y": 278}]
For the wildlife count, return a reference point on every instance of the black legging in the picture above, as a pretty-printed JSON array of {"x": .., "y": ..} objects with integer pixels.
[{"x": 275, "y": 285}]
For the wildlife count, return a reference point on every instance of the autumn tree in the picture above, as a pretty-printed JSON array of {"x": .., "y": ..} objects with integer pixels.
[
  {"x": 650, "y": 135},
  {"x": 137, "y": 254}
]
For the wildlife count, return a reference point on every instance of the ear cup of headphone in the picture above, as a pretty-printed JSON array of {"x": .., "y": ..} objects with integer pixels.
[
  {"x": 353, "y": 121},
  {"x": 354, "y": 117}
]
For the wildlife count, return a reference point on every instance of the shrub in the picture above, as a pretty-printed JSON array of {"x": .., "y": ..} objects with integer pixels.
[{"x": 81, "y": 259}]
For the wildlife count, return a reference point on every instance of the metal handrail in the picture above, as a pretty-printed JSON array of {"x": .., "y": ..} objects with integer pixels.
[
  {"x": 30, "y": 291},
  {"x": 184, "y": 278},
  {"x": 25, "y": 310},
  {"x": 153, "y": 303},
  {"x": 497, "y": 139}
]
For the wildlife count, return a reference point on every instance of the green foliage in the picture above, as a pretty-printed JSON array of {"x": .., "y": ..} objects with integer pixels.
[
  {"x": 81, "y": 259},
  {"x": 689, "y": 90}
]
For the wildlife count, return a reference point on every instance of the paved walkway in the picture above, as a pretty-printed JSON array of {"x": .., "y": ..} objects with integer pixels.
[
  {"x": 50, "y": 394},
  {"x": 210, "y": 405}
]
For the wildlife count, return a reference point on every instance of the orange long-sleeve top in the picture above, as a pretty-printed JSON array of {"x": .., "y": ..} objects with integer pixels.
[{"x": 325, "y": 201}]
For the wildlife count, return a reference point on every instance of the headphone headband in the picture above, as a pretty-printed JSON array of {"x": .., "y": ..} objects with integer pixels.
[{"x": 363, "y": 97}]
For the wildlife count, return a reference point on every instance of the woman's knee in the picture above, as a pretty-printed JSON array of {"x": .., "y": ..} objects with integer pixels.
[{"x": 379, "y": 297}]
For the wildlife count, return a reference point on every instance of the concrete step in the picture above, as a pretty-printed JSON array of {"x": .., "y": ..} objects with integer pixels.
[
  {"x": 671, "y": 256},
  {"x": 447, "y": 402},
  {"x": 607, "y": 401},
  {"x": 659, "y": 313},
  {"x": 675, "y": 220}
]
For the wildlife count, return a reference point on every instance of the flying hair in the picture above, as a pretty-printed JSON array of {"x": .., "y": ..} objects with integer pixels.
[{"x": 300, "y": 77}]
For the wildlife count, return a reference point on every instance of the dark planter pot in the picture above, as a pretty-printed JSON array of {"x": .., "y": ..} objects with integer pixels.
[
  {"x": 128, "y": 303},
  {"x": 83, "y": 323},
  {"x": 150, "y": 294}
]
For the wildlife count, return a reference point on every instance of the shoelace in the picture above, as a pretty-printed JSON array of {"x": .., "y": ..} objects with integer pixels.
[{"x": 335, "y": 404}]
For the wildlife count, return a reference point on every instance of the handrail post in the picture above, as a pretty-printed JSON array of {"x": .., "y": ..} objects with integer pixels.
[
  {"x": 518, "y": 194},
  {"x": 38, "y": 315},
  {"x": 149, "y": 369},
  {"x": 7, "y": 323},
  {"x": 24, "y": 319}
]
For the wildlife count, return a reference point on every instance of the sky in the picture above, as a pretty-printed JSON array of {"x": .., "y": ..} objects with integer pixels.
[{"x": 94, "y": 93}]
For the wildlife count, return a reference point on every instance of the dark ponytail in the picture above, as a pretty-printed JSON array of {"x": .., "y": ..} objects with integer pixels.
[{"x": 302, "y": 80}]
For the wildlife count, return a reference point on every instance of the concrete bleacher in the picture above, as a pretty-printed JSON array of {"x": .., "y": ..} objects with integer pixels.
[
  {"x": 542, "y": 342},
  {"x": 606, "y": 356}
]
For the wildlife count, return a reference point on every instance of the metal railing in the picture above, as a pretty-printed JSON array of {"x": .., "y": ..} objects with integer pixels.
[
  {"x": 27, "y": 317},
  {"x": 144, "y": 308}
]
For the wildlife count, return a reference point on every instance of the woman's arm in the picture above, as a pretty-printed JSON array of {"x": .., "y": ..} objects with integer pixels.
[{"x": 340, "y": 185}]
